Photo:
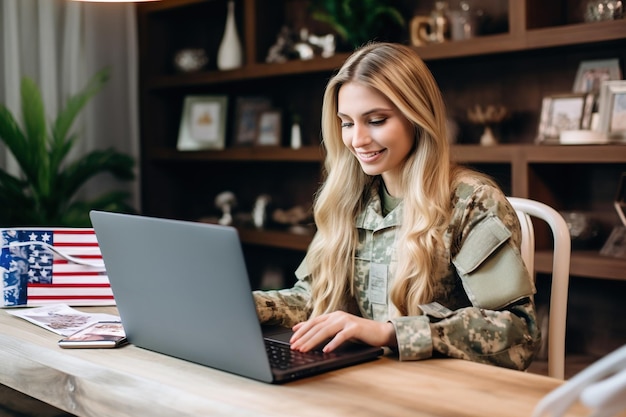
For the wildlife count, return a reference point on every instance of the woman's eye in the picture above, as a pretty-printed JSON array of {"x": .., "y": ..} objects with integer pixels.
[
  {"x": 377, "y": 122},
  {"x": 346, "y": 124}
]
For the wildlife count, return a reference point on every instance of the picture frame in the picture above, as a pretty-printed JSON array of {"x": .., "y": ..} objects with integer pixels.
[
  {"x": 612, "y": 109},
  {"x": 561, "y": 112},
  {"x": 247, "y": 111},
  {"x": 591, "y": 74},
  {"x": 269, "y": 128},
  {"x": 203, "y": 123}
]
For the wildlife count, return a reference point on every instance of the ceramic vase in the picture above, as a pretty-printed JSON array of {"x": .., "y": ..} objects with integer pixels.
[
  {"x": 229, "y": 54},
  {"x": 296, "y": 136}
]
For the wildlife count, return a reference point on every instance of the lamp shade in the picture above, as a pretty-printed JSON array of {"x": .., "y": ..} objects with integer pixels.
[{"x": 114, "y": 1}]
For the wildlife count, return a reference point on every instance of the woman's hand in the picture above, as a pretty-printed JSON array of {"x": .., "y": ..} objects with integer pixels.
[{"x": 339, "y": 327}]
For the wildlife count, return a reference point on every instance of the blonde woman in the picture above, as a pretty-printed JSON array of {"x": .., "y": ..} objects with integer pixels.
[{"x": 410, "y": 252}]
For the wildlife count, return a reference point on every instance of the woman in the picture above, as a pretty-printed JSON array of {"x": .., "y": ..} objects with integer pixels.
[{"x": 410, "y": 252}]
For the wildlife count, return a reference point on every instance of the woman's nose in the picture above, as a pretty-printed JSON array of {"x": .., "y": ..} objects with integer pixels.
[{"x": 360, "y": 136}]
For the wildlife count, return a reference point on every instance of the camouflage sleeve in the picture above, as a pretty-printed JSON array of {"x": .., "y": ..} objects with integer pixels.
[
  {"x": 414, "y": 338},
  {"x": 285, "y": 307},
  {"x": 506, "y": 338}
]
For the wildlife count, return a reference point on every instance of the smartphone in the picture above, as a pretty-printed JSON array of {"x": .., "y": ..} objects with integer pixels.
[{"x": 104, "y": 334}]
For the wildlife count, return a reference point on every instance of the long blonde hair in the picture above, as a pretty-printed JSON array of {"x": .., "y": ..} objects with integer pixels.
[{"x": 397, "y": 72}]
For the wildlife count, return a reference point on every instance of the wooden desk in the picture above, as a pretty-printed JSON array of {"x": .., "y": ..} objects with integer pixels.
[{"x": 130, "y": 381}]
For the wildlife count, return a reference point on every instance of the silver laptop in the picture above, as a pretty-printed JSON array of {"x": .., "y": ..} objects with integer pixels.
[{"x": 182, "y": 289}]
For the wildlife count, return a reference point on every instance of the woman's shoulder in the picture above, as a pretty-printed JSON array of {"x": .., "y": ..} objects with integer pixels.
[
  {"x": 476, "y": 192},
  {"x": 469, "y": 184}
]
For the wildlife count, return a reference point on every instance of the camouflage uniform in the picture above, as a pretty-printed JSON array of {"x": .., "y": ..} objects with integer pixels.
[{"x": 482, "y": 309}]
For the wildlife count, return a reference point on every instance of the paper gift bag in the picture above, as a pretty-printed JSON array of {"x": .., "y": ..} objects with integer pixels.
[{"x": 52, "y": 265}]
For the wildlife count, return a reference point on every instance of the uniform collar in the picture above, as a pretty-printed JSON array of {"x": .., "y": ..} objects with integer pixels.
[{"x": 371, "y": 218}]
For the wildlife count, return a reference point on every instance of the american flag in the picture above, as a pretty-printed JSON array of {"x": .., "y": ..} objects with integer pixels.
[{"x": 60, "y": 265}]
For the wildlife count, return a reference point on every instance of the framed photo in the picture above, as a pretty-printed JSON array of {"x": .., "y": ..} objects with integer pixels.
[
  {"x": 203, "y": 125},
  {"x": 269, "y": 131},
  {"x": 591, "y": 74},
  {"x": 564, "y": 112},
  {"x": 612, "y": 109},
  {"x": 247, "y": 114}
]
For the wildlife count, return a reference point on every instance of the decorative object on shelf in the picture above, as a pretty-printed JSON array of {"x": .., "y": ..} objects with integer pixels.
[
  {"x": 230, "y": 51},
  {"x": 260, "y": 209},
  {"x": 584, "y": 230},
  {"x": 247, "y": 111},
  {"x": 564, "y": 112},
  {"x": 295, "y": 140},
  {"x": 612, "y": 110},
  {"x": 303, "y": 47},
  {"x": 44, "y": 192},
  {"x": 463, "y": 22},
  {"x": 358, "y": 21},
  {"x": 434, "y": 28},
  {"x": 326, "y": 44},
  {"x": 598, "y": 10},
  {"x": 297, "y": 219},
  {"x": 226, "y": 202},
  {"x": 270, "y": 128},
  {"x": 591, "y": 74},
  {"x": 190, "y": 60},
  {"x": 615, "y": 245},
  {"x": 203, "y": 124},
  {"x": 488, "y": 117}
]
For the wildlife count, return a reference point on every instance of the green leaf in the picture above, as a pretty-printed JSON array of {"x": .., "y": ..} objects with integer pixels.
[
  {"x": 96, "y": 162},
  {"x": 75, "y": 104},
  {"x": 13, "y": 137},
  {"x": 36, "y": 165}
]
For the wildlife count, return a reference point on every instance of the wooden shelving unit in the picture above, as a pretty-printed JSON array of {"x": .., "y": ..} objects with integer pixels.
[{"x": 535, "y": 55}]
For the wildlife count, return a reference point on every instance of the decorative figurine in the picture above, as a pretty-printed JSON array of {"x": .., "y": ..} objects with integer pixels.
[
  {"x": 190, "y": 60},
  {"x": 488, "y": 117},
  {"x": 226, "y": 201},
  {"x": 259, "y": 211}
]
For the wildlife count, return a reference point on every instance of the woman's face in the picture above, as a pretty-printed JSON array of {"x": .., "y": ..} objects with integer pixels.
[{"x": 375, "y": 131}]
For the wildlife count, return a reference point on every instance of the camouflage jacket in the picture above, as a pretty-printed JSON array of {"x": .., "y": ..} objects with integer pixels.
[{"x": 483, "y": 307}]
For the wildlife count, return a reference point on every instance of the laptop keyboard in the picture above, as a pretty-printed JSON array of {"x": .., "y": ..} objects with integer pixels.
[{"x": 282, "y": 357}]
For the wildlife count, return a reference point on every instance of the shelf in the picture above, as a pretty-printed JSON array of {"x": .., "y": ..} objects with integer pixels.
[
  {"x": 249, "y": 154},
  {"x": 478, "y": 46},
  {"x": 275, "y": 239},
  {"x": 589, "y": 264},
  {"x": 576, "y": 34},
  {"x": 540, "y": 153}
]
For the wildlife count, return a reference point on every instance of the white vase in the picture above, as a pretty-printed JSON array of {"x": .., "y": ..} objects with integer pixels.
[
  {"x": 296, "y": 136},
  {"x": 229, "y": 54}
]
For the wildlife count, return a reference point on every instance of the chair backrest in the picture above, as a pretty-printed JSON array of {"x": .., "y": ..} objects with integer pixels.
[{"x": 525, "y": 209}]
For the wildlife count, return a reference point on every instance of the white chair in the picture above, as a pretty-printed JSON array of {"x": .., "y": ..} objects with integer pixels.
[
  {"x": 601, "y": 387},
  {"x": 525, "y": 209}
]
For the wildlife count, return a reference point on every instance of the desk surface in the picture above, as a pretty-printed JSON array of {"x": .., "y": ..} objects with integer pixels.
[{"x": 130, "y": 381}]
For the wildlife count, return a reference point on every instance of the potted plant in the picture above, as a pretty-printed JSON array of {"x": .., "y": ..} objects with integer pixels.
[
  {"x": 44, "y": 193},
  {"x": 358, "y": 21}
]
